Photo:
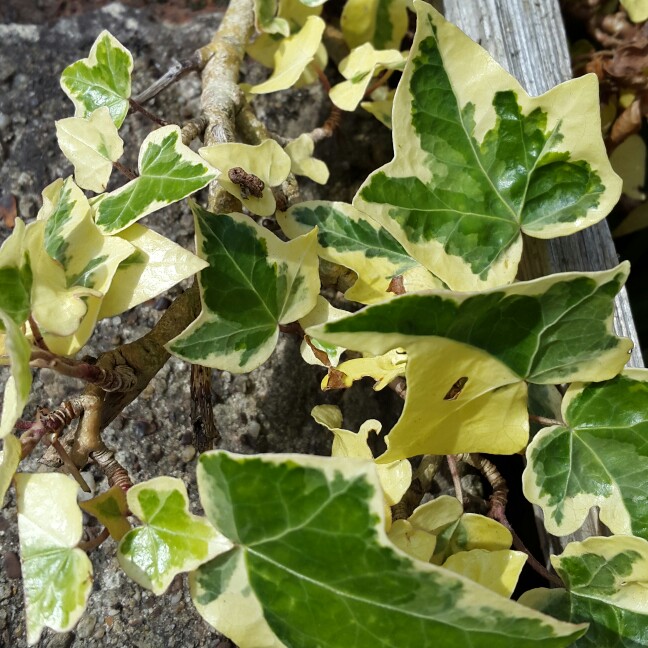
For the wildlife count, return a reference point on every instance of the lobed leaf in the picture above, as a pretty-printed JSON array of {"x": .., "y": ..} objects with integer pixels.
[
  {"x": 477, "y": 161},
  {"x": 606, "y": 581},
  {"x": 381, "y": 105},
  {"x": 351, "y": 239},
  {"x": 383, "y": 23},
  {"x": 267, "y": 161},
  {"x": 102, "y": 79},
  {"x": 169, "y": 172},
  {"x": 310, "y": 547},
  {"x": 156, "y": 265},
  {"x": 171, "y": 541},
  {"x": 551, "y": 330},
  {"x": 302, "y": 162},
  {"x": 598, "y": 458},
  {"x": 57, "y": 577},
  {"x": 111, "y": 509},
  {"x": 92, "y": 145},
  {"x": 293, "y": 56},
  {"x": 383, "y": 369},
  {"x": 15, "y": 276},
  {"x": 254, "y": 283}
]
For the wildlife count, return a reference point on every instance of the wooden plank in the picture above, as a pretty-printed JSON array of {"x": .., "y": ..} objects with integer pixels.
[{"x": 527, "y": 37}]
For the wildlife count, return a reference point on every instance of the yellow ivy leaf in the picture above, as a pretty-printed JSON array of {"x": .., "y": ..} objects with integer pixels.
[
  {"x": 303, "y": 163},
  {"x": 415, "y": 542},
  {"x": 381, "y": 105},
  {"x": 380, "y": 22},
  {"x": 9, "y": 460},
  {"x": 637, "y": 10},
  {"x": 383, "y": 369}
]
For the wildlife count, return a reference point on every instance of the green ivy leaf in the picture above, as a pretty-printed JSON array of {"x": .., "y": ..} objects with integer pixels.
[
  {"x": 599, "y": 458},
  {"x": 254, "y": 283},
  {"x": 102, "y": 79},
  {"x": 15, "y": 276},
  {"x": 351, "y": 239},
  {"x": 478, "y": 161},
  {"x": 606, "y": 581},
  {"x": 57, "y": 577},
  {"x": 169, "y": 171},
  {"x": 551, "y": 330},
  {"x": 310, "y": 547},
  {"x": 172, "y": 540}
]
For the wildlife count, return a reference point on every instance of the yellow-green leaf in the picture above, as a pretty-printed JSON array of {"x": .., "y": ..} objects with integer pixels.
[
  {"x": 383, "y": 369},
  {"x": 92, "y": 144},
  {"x": 293, "y": 56},
  {"x": 111, "y": 509},
  {"x": 414, "y": 542},
  {"x": 358, "y": 69},
  {"x": 395, "y": 478},
  {"x": 172, "y": 540},
  {"x": 383, "y": 23},
  {"x": 9, "y": 460},
  {"x": 637, "y": 10},
  {"x": 303, "y": 163},
  {"x": 156, "y": 265},
  {"x": 381, "y": 105},
  {"x": 57, "y": 577},
  {"x": 267, "y": 161},
  {"x": 15, "y": 276}
]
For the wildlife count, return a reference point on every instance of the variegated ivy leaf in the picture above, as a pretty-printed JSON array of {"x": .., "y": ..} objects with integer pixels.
[
  {"x": 551, "y": 330},
  {"x": 606, "y": 581},
  {"x": 358, "y": 69},
  {"x": 73, "y": 265},
  {"x": 293, "y": 56},
  {"x": 171, "y": 541},
  {"x": 395, "y": 478},
  {"x": 266, "y": 162},
  {"x": 351, "y": 239},
  {"x": 16, "y": 390},
  {"x": 598, "y": 458},
  {"x": 92, "y": 144},
  {"x": 637, "y": 10},
  {"x": 281, "y": 17},
  {"x": 15, "y": 276},
  {"x": 111, "y": 509},
  {"x": 323, "y": 312},
  {"x": 383, "y": 369},
  {"x": 478, "y": 161},
  {"x": 57, "y": 577},
  {"x": 156, "y": 265},
  {"x": 102, "y": 79},
  {"x": 254, "y": 283},
  {"x": 498, "y": 571},
  {"x": 305, "y": 529},
  {"x": 303, "y": 163},
  {"x": 266, "y": 19},
  {"x": 169, "y": 172},
  {"x": 383, "y": 23},
  {"x": 9, "y": 460}
]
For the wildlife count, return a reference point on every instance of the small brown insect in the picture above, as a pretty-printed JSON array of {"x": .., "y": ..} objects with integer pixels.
[
  {"x": 250, "y": 184},
  {"x": 456, "y": 389}
]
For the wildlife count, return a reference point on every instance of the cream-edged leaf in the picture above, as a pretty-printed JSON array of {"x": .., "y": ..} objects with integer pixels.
[
  {"x": 302, "y": 162},
  {"x": 92, "y": 144},
  {"x": 307, "y": 528},
  {"x": 267, "y": 161},
  {"x": 169, "y": 172},
  {"x": 57, "y": 577},
  {"x": 358, "y": 69},
  {"x": 477, "y": 161},
  {"x": 254, "y": 283},
  {"x": 395, "y": 478},
  {"x": 15, "y": 276},
  {"x": 293, "y": 56},
  {"x": 551, "y": 330},
  {"x": 598, "y": 458},
  {"x": 349, "y": 238},
  {"x": 156, "y": 265},
  {"x": 323, "y": 312},
  {"x": 102, "y": 79},
  {"x": 172, "y": 540}
]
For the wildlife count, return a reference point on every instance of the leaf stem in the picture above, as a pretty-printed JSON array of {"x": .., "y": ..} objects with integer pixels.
[
  {"x": 94, "y": 543},
  {"x": 456, "y": 478},
  {"x": 176, "y": 71},
  {"x": 136, "y": 107}
]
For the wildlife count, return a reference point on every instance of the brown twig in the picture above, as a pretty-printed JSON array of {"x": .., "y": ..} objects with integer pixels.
[
  {"x": 38, "y": 338},
  {"x": 125, "y": 171},
  {"x": 202, "y": 414},
  {"x": 456, "y": 477},
  {"x": 177, "y": 70},
  {"x": 136, "y": 107},
  {"x": 93, "y": 543},
  {"x": 543, "y": 420},
  {"x": 69, "y": 464},
  {"x": 192, "y": 130},
  {"x": 116, "y": 474}
]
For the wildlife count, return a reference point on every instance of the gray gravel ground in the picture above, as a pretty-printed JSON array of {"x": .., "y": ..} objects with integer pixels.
[{"x": 266, "y": 410}]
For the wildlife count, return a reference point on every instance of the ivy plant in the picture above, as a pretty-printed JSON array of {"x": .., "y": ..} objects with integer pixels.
[{"x": 426, "y": 255}]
